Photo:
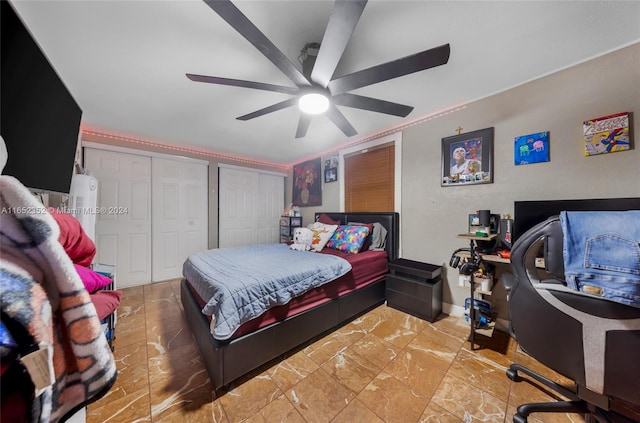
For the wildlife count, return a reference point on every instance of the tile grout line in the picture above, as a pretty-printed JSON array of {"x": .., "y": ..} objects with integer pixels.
[
  {"x": 146, "y": 344},
  {"x": 442, "y": 380}
]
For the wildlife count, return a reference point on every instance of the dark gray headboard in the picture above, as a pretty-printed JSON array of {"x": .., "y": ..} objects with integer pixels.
[{"x": 390, "y": 221}]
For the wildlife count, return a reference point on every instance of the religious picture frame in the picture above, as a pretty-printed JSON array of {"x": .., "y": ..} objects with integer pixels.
[
  {"x": 307, "y": 183},
  {"x": 467, "y": 159}
]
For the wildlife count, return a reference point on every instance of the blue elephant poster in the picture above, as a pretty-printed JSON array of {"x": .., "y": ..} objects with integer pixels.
[{"x": 532, "y": 148}]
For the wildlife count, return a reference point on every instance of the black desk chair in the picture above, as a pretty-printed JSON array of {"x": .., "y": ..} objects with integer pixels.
[{"x": 592, "y": 341}]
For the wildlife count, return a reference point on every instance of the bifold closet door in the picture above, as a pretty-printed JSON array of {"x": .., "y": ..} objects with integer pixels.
[
  {"x": 123, "y": 226},
  {"x": 178, "y": 213},
  {"x": 250, "y": 204},
  {"x": 270, "y": 206}
]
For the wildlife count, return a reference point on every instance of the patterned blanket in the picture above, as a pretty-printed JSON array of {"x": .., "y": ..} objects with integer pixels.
[{"x": 49, "y": 324}]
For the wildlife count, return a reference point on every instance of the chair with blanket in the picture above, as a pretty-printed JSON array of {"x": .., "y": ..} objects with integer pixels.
[{"x": 581, "y": 318}]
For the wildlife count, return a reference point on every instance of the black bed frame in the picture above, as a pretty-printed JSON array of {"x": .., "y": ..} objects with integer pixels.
[{"x": 226, "y": 361}]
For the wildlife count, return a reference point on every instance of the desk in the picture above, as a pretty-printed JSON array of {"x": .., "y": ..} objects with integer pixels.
[
  {"x": 489, "y": 258},
  {"x": 494, "y": 258}
]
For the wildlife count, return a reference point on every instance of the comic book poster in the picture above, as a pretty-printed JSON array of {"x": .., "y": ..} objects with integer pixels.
[{"x": 606, "y": 134}]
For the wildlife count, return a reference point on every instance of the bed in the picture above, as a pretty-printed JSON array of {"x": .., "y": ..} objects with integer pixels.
[{"x": 286, "y": 327}]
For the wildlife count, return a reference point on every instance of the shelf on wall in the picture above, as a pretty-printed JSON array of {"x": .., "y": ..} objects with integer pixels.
[{"x": 490, "y": 258}]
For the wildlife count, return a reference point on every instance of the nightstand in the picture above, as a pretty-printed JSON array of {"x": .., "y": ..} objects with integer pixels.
[
  {"x": 415, "y": 288},
  {"x": 288, "y": 224}
]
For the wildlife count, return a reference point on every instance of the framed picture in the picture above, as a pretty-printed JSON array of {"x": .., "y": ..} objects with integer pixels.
[
  {"x": 467, "y": 159},
  {"x": 307, "y": 185},
  {"x": 330, "y": 174},
  {"x": 606, "y": 134},
  {"x": 532, "y": 148},
  {"x": 331, "y": 162}
]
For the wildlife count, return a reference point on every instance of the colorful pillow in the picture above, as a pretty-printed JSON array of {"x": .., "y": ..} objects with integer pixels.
[
  {"x": 106, "y": 302},
  {"x": 367, "y": 241},
  {"x": 348, "y": 238},
  {"x": 324, "y": 218},
  {"x": 92, "y": 281},
  {"x": 321, "y": 235}
]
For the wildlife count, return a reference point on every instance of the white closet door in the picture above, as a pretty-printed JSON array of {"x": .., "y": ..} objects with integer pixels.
[
  {"x": 237, "y": 202},
  {"x": 250, "y": 204},
  {"x": 123, "y": 231},
  {"x": 270, "y": 206},
  {"x": 179, "y": 214}
]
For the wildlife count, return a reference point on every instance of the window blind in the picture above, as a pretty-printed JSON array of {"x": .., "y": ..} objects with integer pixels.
[{"x": 369, "y": 179}]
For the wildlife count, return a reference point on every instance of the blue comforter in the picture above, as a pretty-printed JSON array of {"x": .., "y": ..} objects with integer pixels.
[{"x": 242, "y": 283}]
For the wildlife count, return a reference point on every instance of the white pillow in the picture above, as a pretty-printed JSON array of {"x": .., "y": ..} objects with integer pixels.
[{"x": 321, "y": 235}]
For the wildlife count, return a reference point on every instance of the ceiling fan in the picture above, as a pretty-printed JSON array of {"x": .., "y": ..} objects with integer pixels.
[{"x": 316, "y": 82}]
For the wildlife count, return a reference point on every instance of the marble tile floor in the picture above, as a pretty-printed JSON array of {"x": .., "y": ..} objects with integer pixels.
[{"x": 385, "y": 366}]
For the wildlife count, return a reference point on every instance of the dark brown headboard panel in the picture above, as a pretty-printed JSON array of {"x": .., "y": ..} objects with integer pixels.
[{"x": 390, "y": 221}]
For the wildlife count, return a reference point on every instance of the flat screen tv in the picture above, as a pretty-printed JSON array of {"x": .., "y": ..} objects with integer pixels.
[
  {"x": 527, "y": 214},
  {"x": 39, "y": 118}
]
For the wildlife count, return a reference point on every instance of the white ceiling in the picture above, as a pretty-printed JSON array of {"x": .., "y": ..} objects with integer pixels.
[{"x": 125, "y": 62}]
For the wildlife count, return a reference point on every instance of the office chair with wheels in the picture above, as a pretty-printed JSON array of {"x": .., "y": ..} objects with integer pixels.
[{"x": 592, "y": 340}]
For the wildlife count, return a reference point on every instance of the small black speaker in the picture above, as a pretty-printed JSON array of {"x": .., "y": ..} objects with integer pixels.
[
  {"x": 484, "y": 216},
  {"x": 506, "y": 228}
]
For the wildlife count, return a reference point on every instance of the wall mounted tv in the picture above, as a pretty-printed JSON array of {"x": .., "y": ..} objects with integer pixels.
[
  {"x": 527, "y": 214},
  {"x": 39, "y": 118}
]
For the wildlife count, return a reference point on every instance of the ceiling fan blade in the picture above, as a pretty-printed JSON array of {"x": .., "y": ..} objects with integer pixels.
[
  {"x": 340, "y": 121},
  {"x": 303, "y": 125},
  {"x": 234, "y": 17},
  {"x": 344, "y": 18},
  {"x": 372, "y": 104},
  {"x": 242, "y": 83},
  {"x": 273, "y": 108},
  {"x": 416, "y": 62}
]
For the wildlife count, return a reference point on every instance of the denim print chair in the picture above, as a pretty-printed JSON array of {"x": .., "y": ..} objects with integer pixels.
[{"x": 583, "y": 335}]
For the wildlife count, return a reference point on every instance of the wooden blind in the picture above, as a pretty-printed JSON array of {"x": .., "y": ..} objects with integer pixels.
[{"x": 369, "y": 179}]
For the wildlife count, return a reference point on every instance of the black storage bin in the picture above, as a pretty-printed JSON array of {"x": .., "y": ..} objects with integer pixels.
[{"x": 415, "y": 288}]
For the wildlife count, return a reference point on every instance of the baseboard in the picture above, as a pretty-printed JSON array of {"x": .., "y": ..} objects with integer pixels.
[{"x": 452, "y": 309}]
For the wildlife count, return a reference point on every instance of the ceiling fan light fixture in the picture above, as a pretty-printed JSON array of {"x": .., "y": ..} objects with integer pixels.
[{"x": 313, "y": 103}]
